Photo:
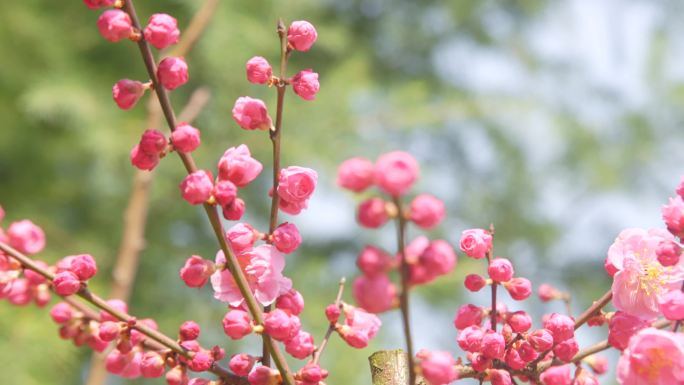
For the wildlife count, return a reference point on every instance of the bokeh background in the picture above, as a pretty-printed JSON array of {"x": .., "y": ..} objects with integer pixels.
[{"x": 557, "y": 121}]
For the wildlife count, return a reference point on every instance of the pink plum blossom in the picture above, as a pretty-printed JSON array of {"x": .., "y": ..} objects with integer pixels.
[
  {"x": 356, "y": 174},
  {"x": 238, "y": 166},
  {"x": 395, "y": 172},
  {"x": 654, "y": 357},
  {"x": 162, "y": 30}
]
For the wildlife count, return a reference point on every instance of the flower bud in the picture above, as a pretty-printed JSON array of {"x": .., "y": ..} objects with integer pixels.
[
  {"x": 296, "y": 184},
  {"x": 237, "y": 324},
  {"x": 500, "y": 270},
  {"x": 241, "y": 364},
  {"x": 152, "y": 365},
  {"x": 301, "y": 35},
  {"x": 189, "y": 330},
  {"x": 500, "y": 377},
  {"x": 83, "y": 266},
  {"x": 196, "y": 271},
  {"x": 238, "y": 166},
  {"x": 109, "y": 330},
  {"x": 185, "y": 138},
  {"x": 474, "y": 282},
  {"x": 172, "y": 72},
  {"x": 476, "y": 243},
  {"x": 153, "y": 142},
  {"x": 251, "y": 114},
  {"x": 258, "y": 70},
  {"x": 671, "y": 304},
  {"x": 115, "y": 25},
  {"x": 66, "y": 283},
  {"x": 201, "y": 361},
  {"x": 286, "y": 238},
  {"x": 162, "y": 30},
  {"x": 561, "y": 327},
  {"x": 241, "y": 237},
  {"x": 235, "y": 210},
  {"x": 566, "y": 350},
  {"x": 395, "y": 172},
  {"x": 541, "y": 340},
  {"x": 332, "y": 313},
  {"x": 519, "y": 321},
  {"x": 142, "y": 160},
  {"x": 372, "y": 213},
  {"x": 61, "y": 313},
  {"x": 197, "y": 187},
  {"x": 375, "y": 294},
  {"x": 468, "y": 315},
  {"x": 668, "y": 252},
  {"x": 126, "y": 93},
  {"x": 291, "y": 302},
  {"x": 356, "y": 174},
  {"x": 26, "y": 237},
  {"x": 300, "y": 346},
  {"x": 470, "y": 339},
  {"x": 493, "y": 345},
  {"x": 438, "y": 368},
  {"x": 305, "y": 84},
  {"x": 280, "y": 325},
  {"x": 426, "y": 211},
  {"x": 518, "y": 288}
]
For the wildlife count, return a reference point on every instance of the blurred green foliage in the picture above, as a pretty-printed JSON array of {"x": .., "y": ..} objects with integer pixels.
[{"x": 530, "y": 139}]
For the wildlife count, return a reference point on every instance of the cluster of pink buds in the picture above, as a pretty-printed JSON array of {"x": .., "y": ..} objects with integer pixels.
[{"x": 394, "y": 173}]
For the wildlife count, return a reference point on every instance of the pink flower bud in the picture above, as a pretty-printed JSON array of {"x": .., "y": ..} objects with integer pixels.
[
  {"x": 375, "y": 294},
  {"x": 196, "y": 271},
  {"x": 280, "y": 325},
  {"x": 500, "y": 270},
  {"x": 33, "y": 278},
  {"x": 332, "y": 313},
  {"x": 26, "y": 237},
  {"x": 94, "y": 4},
  {"x": 493, "y": 345},
  {"x": 237, "y": 324},
  {"x": 116, "y": 362},
  {"x": 235, "y": 210},
  {"x": 115, "y": 25},
  {"x": 470, "y": 339},
  {"x": 143, "y": 160},
  {"x": 296, "y": 184},
  {"x": 360, "y": 326},
  {"x": 301, "y": 35},
  {"x": 566, "y": 350},
  {"x": 109, "y": 331},
  {"x": 258, "y": 70},
  {"x": 479, "y": 362},
  {"x": 201, "y": 361},
  {"x": 117, "y": 304},
  {"x": 518, "y": 288},
  {"x": 172, "y": 72},
  {"x": 561, "y": 327},
  {"x": 668, "y": 252},
  {"x": 305, "y": 84},
  {"x": 514, "y": 360},
  {"x": 313, "y": 374},
  {"x": 161, "y": 31},
  {"x": 395, "y": 172},
  {"x": 557, "y": 375},
  {"x": 126, "y": 93},
  {"x": 438, "y": 258},
  {"x": 500, "y": 377},
  {"x": 356, "y": 174},
  {"x": 185, "y": 138},
  {"x": 474, "y": 282},
  {"x": 241, "y": 237},
  {"x": 152, "y": 365},
  {"x": 251, "y": 114},
  {"x": 291, "y": 302},
  {"x": 241, "y": 364},
  {"x": 673, "y": 215},
  {"x": 189, "y": 330},
  {"x": 468, "y": 315},
  {"x": 263, "y": 375},
  {"x": 476, "y": 243},
  {"x": 527, "y": 352},
  {"x": 292, "y": 208},
  {"x": 541, "y": 340},
  {"x": 238, "y": 166},
  {"x": 153, "y": 142},
  {"x": 197, "y": 187},
  {"x": 286, "y": 238},
  {"x": 427, "y": 211},
  {"x": 224, "y": 192},
  {"x": 300, "y": 346},
  {"x": 519, "y": 321},
  {"x": 66, "y": 283},
  {"x": 83, "y": 266},
  {"x": 372, "y": 213},
  {"x": 438, "y": 368},
  {"x": 671, "y": 304},
  {"x": 373, "y": 261},
  {"x": 598, "y": 364},
  {"x": 177, "y": 376},
  {"x": 547, "y": 292},
  {"x": 61, "y": 313}
]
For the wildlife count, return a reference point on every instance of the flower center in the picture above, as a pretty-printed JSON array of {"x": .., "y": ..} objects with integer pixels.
[{"x": 655, "y": 359}]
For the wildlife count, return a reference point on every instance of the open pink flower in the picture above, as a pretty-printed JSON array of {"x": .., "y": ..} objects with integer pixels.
[
  {"x": 633, "y": 242},
  {"x": 263, "y": 267},
  {"x": 476, "y": 243},
  {"x": 640, "y": 280},
  {"x": 296, "y": 184},
  {"x": 653, "y": 357}
]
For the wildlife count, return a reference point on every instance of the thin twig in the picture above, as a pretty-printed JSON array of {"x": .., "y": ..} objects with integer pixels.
[
  {"x": 189, "y": 164},
  {"x": 492, "y": 313},
  {"x": 100, "y": 303},
  {"x": 338, "y": 302},
  {"x": 404, "y": 295},
  {"x": 593, "y": 309}
]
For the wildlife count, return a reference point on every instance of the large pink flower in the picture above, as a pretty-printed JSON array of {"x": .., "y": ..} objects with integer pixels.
[
  {"x": 263, "y": 267},
  {"x": 653, "y": 357},
  {"x": 640, "y": 280}
]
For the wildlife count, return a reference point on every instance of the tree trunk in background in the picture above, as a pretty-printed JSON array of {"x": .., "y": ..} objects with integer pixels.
[{"x": 390, "y": 367}]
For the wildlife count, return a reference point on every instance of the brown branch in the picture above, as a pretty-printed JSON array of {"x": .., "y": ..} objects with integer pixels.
[
  {"x": 404, "y": 295},
  {"x": 211, "y": 211},
  {"x": 338, "y": 302},
  {"x": 593, "y": 309},
  {"x": 100, "y": 303}
]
